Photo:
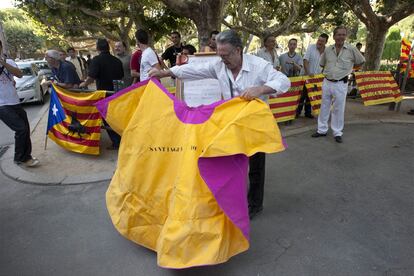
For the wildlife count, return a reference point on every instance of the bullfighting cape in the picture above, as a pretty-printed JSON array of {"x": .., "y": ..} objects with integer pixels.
[{"x": 180, "y": 183}]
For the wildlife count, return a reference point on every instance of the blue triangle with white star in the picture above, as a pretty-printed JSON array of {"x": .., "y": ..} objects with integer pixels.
[{"x": 56, "y": 112}]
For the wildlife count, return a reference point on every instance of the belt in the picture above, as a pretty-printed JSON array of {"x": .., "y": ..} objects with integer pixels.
[{"x": 344, "y": 79}]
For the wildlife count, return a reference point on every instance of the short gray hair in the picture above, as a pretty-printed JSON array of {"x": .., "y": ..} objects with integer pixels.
[
  {"x": 230, "y": 37},
  {"x": 53, "y": 54}
]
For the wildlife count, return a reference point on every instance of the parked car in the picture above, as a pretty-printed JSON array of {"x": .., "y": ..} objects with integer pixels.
[
  {"x": 29, "y": 87},
  {"x": 44, "y": 68}
]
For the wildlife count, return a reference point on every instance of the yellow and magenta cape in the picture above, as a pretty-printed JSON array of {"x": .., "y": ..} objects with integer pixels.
[{"x": 180, "y": 183}]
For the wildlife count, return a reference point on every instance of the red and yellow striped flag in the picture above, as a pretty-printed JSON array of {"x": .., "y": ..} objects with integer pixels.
[
  {"x": 377, "y": 87},
  {"x": 404, "y": 57},
  {"x": 284, "y": 106},
  {"x": 314, "y": 87},
  {"x": 80, "y": 131}
]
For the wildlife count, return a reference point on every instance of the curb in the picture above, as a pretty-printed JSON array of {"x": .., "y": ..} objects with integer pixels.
[{"x": 29, "y": 176}]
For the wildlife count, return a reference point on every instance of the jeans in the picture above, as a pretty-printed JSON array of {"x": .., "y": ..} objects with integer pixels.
[
  {"x": 15, "y": 118},
  {"x": 256, "y": 180}
]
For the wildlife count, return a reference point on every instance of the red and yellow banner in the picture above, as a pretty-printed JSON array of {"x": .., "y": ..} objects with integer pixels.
[
  {"x": 284, "y": 106},
  {"x": 81, "y": 130},
  {"x": 404, "y": 57},
  {"x": 377, "y": 87},
  {"x": 314, "y": 87}
]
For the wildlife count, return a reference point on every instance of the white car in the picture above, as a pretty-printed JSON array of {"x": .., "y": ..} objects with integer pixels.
[{"x": 29, "y": 87}]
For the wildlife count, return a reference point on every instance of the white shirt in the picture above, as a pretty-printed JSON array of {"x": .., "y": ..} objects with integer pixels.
[
  {"x": 265, "y": 54},
  {"x": 255, "y": 71},
  {"x": 8, "y": 94},
  {"x": 313, "y": 56},
  {"x": 75, "y": 61},
  {"x": 148, "y": 60}
]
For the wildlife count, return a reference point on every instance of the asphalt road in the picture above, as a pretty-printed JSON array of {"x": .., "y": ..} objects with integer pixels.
[
  {"x": 32, "y": 110},
  {"x": 330, "y": 209}
]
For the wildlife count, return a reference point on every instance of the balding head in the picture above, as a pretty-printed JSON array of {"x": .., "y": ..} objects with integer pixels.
[{"x": 53, "y": 54}]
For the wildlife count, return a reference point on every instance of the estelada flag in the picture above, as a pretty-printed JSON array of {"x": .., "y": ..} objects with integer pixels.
[
  {"x": 404, "y": 57},
  {"x": 314, "y": 87},
  {"x": 180, "y": 184},
  {"x": 284, "y": 106},
  {"x": 74, "y": 123},
  {"x": 377, "y": 87}
]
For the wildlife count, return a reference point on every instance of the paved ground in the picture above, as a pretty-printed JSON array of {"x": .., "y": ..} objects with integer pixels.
[
  {"x": 330, "y": 209},
  {"x": 61, "y": 167}
]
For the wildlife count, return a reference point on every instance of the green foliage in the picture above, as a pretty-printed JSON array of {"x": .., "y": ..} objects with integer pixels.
[
  {"x": 392, "y": 45},
  {"x": 388, "y": 67},
  {"x": 21, "y": 39},
  {"x": 394, "y": 34},
  {"x": 391, "y": 50}
]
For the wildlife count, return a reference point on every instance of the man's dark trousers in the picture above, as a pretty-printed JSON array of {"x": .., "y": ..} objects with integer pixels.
[
  {"x": 304, "y": 100},
  {"x": 257, "y": 164},
  {"x": 15, "y": 118}
]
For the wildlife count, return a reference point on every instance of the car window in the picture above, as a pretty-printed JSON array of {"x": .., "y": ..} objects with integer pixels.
[{"x": 42, "y": 65}]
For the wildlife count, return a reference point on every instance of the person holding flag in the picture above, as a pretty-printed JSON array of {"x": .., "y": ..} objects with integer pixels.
[{"x": 13, "y": 114}]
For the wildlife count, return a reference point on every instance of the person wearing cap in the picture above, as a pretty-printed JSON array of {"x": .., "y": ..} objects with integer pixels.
[
  {"x": 13, "y": 114},
  {"x": 64, "y": 73}
]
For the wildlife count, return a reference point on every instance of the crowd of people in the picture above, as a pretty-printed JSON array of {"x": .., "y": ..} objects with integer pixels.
[{"x": 244, "y": 75}]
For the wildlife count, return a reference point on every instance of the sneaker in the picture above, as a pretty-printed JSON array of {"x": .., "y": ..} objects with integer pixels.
[
  {"x": 33, "y": 162},
  {"x": 338, "y": 139}
]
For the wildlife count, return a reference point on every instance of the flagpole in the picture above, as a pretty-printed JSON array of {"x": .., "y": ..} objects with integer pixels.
[{"x": 45, "y": 141}]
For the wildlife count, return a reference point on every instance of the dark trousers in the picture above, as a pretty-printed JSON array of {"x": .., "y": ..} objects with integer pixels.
[
  {"x": 304, "y": 101},
  {"x": 15, "y": 118},
  {"x": 115, "y": 137},
  {"x": 256, "y": 180}
]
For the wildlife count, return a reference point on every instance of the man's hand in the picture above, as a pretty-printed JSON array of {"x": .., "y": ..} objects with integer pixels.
[
  {"x": 157, "y": 73},
  {"x": 253, "y": 92},
  {"x": 83, "y": 84}
]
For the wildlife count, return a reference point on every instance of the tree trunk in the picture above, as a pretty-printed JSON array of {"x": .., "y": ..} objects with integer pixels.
[
  {"x": 206, "y": 15},
  {"x": 375, "y": 47}
]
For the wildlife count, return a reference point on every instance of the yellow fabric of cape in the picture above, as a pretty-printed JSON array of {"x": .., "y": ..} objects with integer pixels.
[{"x": 157, "y": 197}]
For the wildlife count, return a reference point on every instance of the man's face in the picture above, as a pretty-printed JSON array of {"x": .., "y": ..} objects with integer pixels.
[
  {"x": 270, "y": 43},
  {"x": 72, "y": 53},
  {"x": 50, "y": 61},
  {"x": 62, "y": 56},
  {"x": 175, "y": 38},
  {"x": 119, "y": 48},
  {"x": 340, "y": 36},
  {"x": 213, "y": 43},
  {"x": 321, "y": 42},
  {"x": 292, "y": 45},
  {"x": 230, "y": 55},
  {"x": 359, "y": 46}
]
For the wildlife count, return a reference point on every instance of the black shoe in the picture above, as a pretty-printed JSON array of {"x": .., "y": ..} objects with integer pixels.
[
  {"x": 317, "y": 134},
  {"x": 411, "y": 112},
  {"x": 310, "y": 116},
  {"x": 338, "y": 139},
  {"x": 253, "y": 211}
]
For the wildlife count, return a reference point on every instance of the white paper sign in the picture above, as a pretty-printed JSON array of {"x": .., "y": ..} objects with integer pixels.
[{"x": 201, "y": 92}]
